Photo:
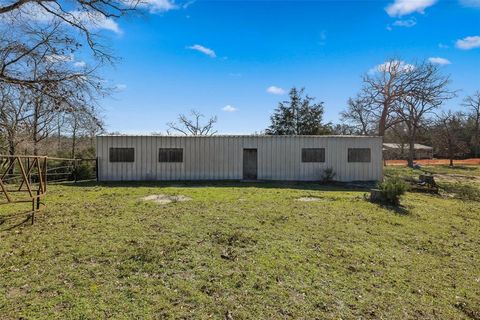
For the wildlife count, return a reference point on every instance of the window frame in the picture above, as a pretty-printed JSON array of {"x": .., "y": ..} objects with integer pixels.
[
  {"x": 304, "y": 155},
  {"x": 123, "y": 158},
  {"x": 350, "y": 156},
  {"x": 170, "y": 156}
]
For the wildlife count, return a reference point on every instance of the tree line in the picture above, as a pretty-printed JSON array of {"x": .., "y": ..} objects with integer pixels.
[
  {"x": 47, "y": 93},
  {"x": 50, "y": 56},
  {"x": 399, "y": 101}
]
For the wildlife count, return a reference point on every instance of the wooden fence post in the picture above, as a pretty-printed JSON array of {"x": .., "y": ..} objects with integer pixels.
[
  {"x": 38, "y": 199},
  {"x": 75, "y": 166}
]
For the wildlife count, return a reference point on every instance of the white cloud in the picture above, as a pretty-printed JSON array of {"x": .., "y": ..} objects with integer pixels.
[
  {"x": 229, "y": 108},
  {"x": 120, "y": 87},
  {"x": 90, "y": 20},
  {"x": 405, "y": 23},
  {"x": 157, "y": 6},
  {"x": 188, "y": 4},
  {"x": 79, "y": 64},
  {"x": 443, "y": 46},
  {"x": 470, "y": 3},
  {"x": 59, "y": 58},
  {"x": 468, "y": 43},
  {"x": 404, "y": 7},
  {"x": 95, "y": 20},
  {"x": 275, "y": 90},
  {"x": 394, "y": 64},
  {"x": 438, "y": 60},
  {"x": 197, "y": 47}
]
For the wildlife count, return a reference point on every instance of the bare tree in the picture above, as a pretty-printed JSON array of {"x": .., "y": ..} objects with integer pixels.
[
  {"x": 427, "y": 89},
  {"x": 447, "y": 135},
  {"x": 78, "y": 89},
  {"x": 82, "y": 122},
  {"x": 31, "y": 30},
  {"x": 382, "y": 88},
  {"x": 473, "y": 104},
  {"x": 193, "y": 126},
  {"x": 44, "y": 102},
  {"x": 105, "y": 8},
  {"x": 80, "y": 17},
  {"x": 342, "y": 129},
  {"x": 41, "y": 120},
  {"x": 359, "y": 115},
  {"x": 13, "y": 114}
]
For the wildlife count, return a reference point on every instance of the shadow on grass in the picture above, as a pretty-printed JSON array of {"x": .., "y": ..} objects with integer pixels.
[
  {"x": 460, "y": 167},
  {"x": 400, "y": 210},
  {"x": 336, "y": 186}
]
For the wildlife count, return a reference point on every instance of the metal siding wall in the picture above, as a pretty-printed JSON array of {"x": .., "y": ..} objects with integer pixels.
[
  {"x": 116, "y": 173},
  {"x": 229, "y": 160},
  {"x": 342, "y": 155},
  {"x": 289, "y": 149},
  {"x": 128, "y": 167},
  {"x": 238, "y": 157},
  {"x": 217, "y": 160},
  {"x": 194, "y": 163},
  {"x": 109, "y": 172},
  {"x": 189, "y": 163},
  {"x": 260, "y": 158},
  {"x": 199, "y": 159},
  {"x": 264, "y": 163},
  {"x": 152, "y": 157},
  {"x": 99, "y": 156},
  {"x": 220, "y": 158}
]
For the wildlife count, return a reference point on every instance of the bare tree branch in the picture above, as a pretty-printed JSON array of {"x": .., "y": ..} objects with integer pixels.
[{"x": 192, "y": 125}]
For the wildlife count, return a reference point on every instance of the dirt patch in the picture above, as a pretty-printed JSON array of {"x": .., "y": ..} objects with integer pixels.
[
  {"x": 471, "y": 161},
  {"x": 165, "y": 199},
  {"x": 308, "y": 199},
  {"x": 455, "y": 177}
]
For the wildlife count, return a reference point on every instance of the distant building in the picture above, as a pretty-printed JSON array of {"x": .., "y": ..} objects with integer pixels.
[
  {"x": 397, "y": 151},
  {"x": 294, "y": 158}
]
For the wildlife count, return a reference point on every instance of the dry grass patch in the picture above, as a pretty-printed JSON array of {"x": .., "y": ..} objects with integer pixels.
[
  {"x": 308, "y": 199},
  {"x": 166, "y": 199}
]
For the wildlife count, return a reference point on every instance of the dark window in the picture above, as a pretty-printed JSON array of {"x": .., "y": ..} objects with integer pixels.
[
  {"x": 170, "y": 155},
  {"x": 359, "y": 155},
  {"x": 122, "y": 154},
  {"x": 313, "y": 155}
]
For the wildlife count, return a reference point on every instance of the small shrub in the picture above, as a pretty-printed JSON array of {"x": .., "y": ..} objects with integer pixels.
[
  {"x": 328, "y": 175},
  {"x": 84, "y": 171},
  {"x": 392, "y": 189}
]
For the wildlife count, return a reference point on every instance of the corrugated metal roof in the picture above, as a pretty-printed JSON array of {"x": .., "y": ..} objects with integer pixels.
[
  {"x": 417, "y": 146},
  {"x": 237, "y": 136}
]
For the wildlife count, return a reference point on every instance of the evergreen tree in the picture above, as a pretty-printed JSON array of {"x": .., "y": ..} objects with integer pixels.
[{"x": 298, "y": 116}]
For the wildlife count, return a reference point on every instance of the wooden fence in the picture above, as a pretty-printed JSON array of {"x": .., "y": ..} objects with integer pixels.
[{"x": 24, "y": 178}]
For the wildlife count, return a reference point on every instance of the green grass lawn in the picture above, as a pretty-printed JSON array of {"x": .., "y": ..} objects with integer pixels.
[{"x": 241, "y": 251}]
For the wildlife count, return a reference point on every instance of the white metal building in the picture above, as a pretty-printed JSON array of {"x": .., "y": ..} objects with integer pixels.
[
  {"x": 293, "y": 158},
  {"x": 393, "y": 151}
]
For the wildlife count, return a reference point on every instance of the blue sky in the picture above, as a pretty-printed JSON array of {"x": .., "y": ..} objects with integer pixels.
[{"x": 207, "y": 55}]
